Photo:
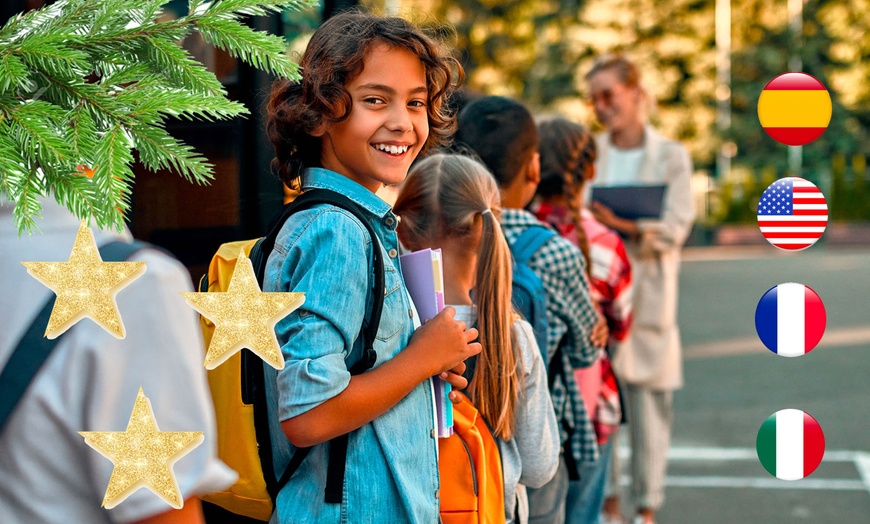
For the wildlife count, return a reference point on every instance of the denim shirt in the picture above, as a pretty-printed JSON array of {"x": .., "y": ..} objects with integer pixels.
[{"x": 392, "y": 465}]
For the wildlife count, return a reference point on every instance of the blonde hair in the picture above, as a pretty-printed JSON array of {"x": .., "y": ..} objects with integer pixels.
[
  {"x": 629, "y": 76},
  {"x": 625, "y": 69},
  {"x": 443, "y": 196}
]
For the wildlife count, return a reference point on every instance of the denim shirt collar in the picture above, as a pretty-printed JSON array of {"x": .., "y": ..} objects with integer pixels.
[{"x": 321, "y": 178}]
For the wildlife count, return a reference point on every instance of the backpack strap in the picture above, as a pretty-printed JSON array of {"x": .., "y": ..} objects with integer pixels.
[
  {"x": 324, "y": 196},
  {"x": 33, "y": 349},
  {"x": 529, "y": 242},
  {"x": 333, "y": 493},
  {"x": 557, "y": 368}
]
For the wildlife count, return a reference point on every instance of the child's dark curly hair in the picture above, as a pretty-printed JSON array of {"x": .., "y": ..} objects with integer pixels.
[{"x": 334, "y": 57}]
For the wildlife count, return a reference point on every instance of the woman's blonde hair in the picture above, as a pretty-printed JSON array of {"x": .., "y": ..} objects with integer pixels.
[
  {"x": 443, "y": 196},
  {"x": 629, "y": 76},
  {"x": 625, "y": 69}
]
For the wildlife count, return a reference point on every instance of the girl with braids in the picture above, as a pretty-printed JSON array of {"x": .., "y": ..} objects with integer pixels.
[
  {"x": 369, "y": 101},
  {"x": 567, "y": 162},
  {"x": 452, "y": 202}
]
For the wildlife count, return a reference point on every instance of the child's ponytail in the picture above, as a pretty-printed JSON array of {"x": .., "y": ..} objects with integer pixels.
[
  {"x": 446, "y": 196},
  {"x": 495, "y": 384}
]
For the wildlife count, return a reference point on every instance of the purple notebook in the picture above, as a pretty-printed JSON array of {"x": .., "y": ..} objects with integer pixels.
[{"x": 423, "y": 274}]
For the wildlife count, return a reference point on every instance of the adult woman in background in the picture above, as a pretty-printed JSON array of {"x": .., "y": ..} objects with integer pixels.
[{"x": 649, "y": 363}]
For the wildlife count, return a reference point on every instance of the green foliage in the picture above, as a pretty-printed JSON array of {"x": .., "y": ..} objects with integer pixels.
[
  {"x": 765, "y": 46},
  {"x": 84, "y": 83},
  {"x": 254, "y": 47},
  {"x": 539, "y": 50}
]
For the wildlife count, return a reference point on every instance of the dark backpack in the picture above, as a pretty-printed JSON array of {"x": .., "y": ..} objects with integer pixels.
[{"x": 528, "y": 294}]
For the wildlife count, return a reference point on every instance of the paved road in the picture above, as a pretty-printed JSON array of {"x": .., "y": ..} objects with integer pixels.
[{"x": 733, "y": 383}]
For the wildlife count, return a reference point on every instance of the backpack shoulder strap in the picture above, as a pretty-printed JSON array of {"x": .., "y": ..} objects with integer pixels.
[
  {"x": 529, "y": 242},
  {"x": 33, "y": 349},
  {"x": 338, "y": 445},
  {"x": 307, "y": 200}
]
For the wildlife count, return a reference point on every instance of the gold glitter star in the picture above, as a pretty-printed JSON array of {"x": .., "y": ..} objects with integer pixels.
[
  {"x": 244, "y": 317},
  {"x": 85, "y": 286},
  {"x": 143, "y": 455}
]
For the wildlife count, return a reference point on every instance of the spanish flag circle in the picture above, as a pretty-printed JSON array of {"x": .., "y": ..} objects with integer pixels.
[{"x": 794, "y": 109}]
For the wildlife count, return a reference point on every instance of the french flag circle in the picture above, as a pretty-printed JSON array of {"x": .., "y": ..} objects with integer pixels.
[{"x": 790, "y": 319}]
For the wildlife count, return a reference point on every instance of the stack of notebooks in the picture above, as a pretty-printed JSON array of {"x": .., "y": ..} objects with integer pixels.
[{"x": 424, "y": 279}]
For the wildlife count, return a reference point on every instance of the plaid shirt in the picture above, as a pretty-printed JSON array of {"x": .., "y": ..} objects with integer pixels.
[
  {"x": 562, "y": 269},
  {"x": 610, "y": 274},
  {"x": 611, "y": 288}
]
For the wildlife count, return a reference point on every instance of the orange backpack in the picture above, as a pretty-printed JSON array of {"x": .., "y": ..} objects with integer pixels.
[{"x": 472, "y": 481}]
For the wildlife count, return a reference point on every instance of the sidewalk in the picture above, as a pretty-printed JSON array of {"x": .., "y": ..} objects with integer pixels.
[{"x": 836, "y": 234}]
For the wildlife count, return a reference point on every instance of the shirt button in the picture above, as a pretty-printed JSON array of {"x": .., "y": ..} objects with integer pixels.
[
  {"x": 410, "y": 313},
  {"x": 392, "y": 253},
  {"x": 437, "y": 493},
  {"x": 432, "y": 433},
  {"x": 390, "y": 221}
]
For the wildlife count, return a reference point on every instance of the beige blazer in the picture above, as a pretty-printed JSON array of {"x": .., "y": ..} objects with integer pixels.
[{"x": 652, "y": 354}]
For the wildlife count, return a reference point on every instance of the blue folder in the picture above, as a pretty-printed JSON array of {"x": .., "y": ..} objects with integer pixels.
[{"x": 632, "y": 202}]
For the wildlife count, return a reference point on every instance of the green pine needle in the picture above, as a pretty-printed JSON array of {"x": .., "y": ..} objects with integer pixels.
[
  {"x": 260, "y": 49},
  {"x": 159, "y": 150}
]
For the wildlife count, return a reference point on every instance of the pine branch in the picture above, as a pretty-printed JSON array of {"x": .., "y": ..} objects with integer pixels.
[
  {"x": 107, "y": 15},
  {"x": 179, "y": 67},
  {"x": 82, "y": 134},
  {"x": 159, "y": 150},
  {"x": 77, "y": 192},
  {"x": 51, "y": 56},
  {"x": 39, "y": 125},
  {"x": 12, "y": 163},
  {"x": 114, "y": 172},
  {"x": 238, "y": 8},
  {"x": 179, "y": 103},
  {"x": 13, "y": 73},
  {"x": 27, "y": 190},
  {"x": 131, "y": 39},
  {"x": 87, "y": 81},
  {"x": 262, "y": 50}
]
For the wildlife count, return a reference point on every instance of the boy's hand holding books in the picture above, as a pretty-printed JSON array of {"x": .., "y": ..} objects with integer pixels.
[
  {"x": 456, "y": 380},
  {"x": 444, "y": 343}
]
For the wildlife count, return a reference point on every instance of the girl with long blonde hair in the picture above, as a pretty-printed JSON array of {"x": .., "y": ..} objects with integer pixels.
[{"x": 452, "y": 203}]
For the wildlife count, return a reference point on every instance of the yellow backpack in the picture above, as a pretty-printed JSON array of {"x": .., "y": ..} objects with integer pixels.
[
  {"x": 237, "y": 435},
  {"x": 237, "y": 385}
]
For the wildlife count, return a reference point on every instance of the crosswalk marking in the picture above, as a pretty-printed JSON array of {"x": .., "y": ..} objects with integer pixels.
[{"x": 860, "y": 459}]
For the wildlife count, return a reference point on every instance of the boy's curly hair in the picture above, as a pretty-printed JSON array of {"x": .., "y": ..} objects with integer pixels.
[{"x": 334, "y": 57}]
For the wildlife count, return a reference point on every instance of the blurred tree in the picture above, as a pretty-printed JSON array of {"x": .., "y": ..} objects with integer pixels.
[
  {"x": 828, "y": 50},
  {"x": 539, "y": 51}
]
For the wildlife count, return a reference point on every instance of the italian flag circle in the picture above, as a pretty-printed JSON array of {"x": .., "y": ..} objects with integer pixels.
[{"x": 790, "y": 444}]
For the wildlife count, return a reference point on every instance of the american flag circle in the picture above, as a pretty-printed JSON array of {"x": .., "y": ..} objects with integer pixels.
[{"x": 792, "y": 213}]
